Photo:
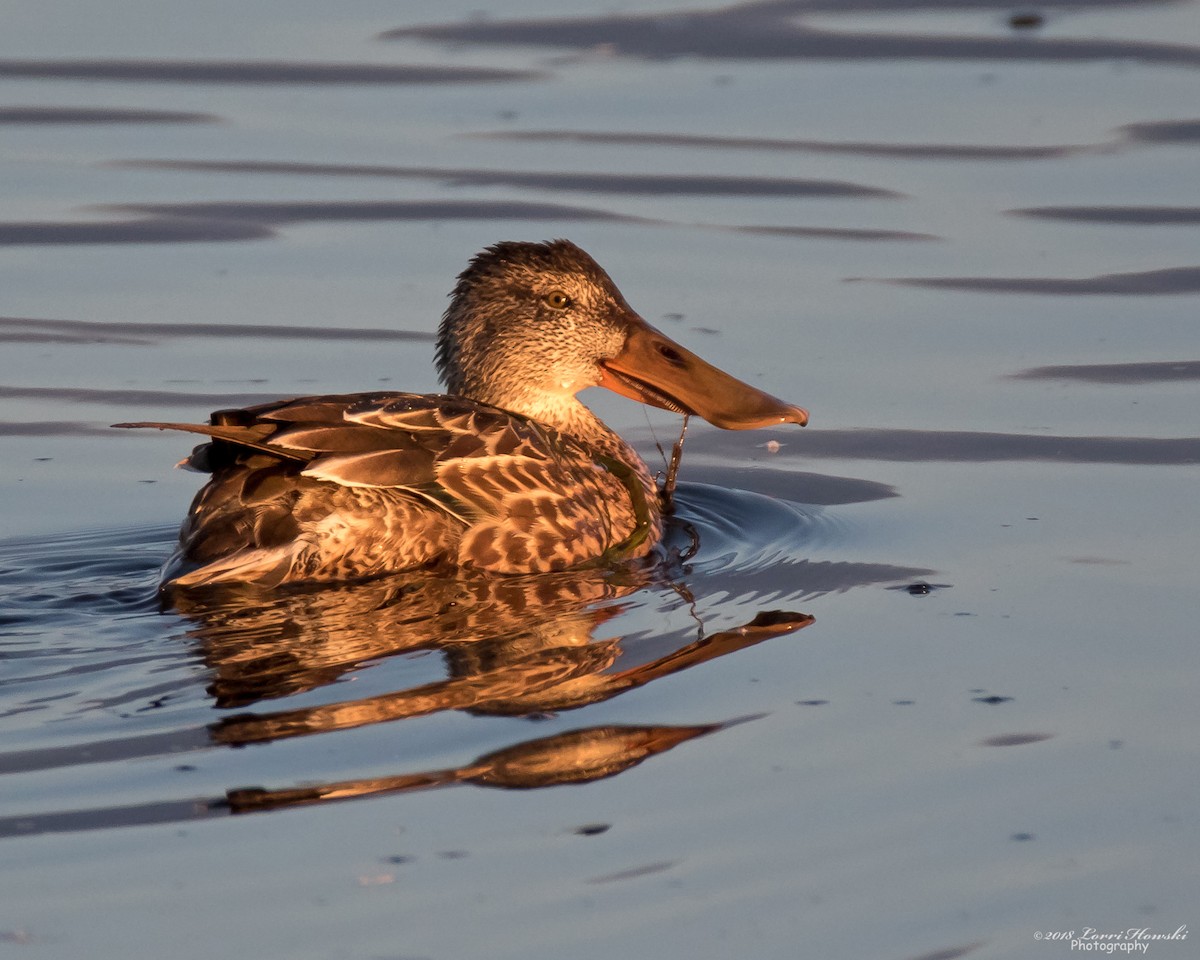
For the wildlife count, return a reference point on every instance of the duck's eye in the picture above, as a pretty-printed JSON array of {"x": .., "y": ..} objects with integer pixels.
[{"x": 558, "y": 300}]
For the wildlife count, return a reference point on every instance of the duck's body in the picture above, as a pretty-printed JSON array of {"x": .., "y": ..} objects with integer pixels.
[
  {"x": 367, "y": 484},
  {"x": 509, "y": 474}
]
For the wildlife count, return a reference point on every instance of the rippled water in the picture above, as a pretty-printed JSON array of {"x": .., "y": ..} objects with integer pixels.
[
  {"x": 915, "y": 682},
  {"x": 97, "y": 675}
]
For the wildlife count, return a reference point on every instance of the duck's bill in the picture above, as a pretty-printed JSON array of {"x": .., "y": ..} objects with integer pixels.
[{"x": 652, "y": 368}]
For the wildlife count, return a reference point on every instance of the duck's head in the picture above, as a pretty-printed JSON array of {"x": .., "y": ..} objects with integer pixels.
[{"x": 531, "y": 324}]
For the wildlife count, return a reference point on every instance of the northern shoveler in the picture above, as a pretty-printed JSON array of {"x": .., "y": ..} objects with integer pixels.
[{"x": 508, "y": 473}]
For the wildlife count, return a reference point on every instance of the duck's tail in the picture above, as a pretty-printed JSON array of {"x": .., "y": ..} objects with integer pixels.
[{"x": 252, "y": 437}]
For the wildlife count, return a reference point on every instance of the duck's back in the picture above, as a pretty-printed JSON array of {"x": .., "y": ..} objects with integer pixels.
[{"x": 345, "y": 487}]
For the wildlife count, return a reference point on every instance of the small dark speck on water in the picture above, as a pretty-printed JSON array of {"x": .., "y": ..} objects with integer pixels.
[
  {"x": 185, "y": 768},
  {"x": 397, "y": 858},
  {"x": 42, "y": 459},
  {"x": 1021, "y": 836},
  {"x": 920, "y": 588},
  {"x": 147, "y": 481},
  {"x": 812, "y": 703},
  {"x": 903, "y": 703},
  {"x": 673, "y": 317},
  {"x": 634, "y": 873},
  {"x": 993, "y": 699},
  {"x": 1026, "y": 20},
  {"x": 1115, "y": 744},
  {"x": 1015, "y": 739},
  {"x": 593, "y": 829}
]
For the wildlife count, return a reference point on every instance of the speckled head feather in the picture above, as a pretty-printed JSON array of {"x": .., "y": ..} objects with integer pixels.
[
  {"x": 509, "y": 260},
  {"x": 526, "y": 327}
]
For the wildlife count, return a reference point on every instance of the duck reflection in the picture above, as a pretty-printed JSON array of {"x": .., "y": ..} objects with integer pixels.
[
  {"x": 267, "y": 645},
  {"x": 521, "y": 646},
  {"x": 513, "y": 647},
  {"x": 579, "y": 756}
]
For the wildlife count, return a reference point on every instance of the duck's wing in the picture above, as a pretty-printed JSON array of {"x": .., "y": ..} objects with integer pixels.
[
  {"x": 537, "y": 500},
  {"x": 473, "y": 484}
]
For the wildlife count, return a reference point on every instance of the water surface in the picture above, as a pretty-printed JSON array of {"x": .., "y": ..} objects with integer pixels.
[{"x": 914, "y": 682}]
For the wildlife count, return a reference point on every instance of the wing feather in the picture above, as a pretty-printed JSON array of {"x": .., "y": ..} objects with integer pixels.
[
  {"x": 252, "y": 437},
  {"x": 377, "y": 468}
]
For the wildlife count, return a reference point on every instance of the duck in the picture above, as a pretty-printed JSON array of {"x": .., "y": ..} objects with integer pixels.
[{"x": 506, "y": 473}]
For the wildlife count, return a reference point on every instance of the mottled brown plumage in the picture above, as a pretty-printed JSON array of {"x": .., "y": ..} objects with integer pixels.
[{"x": 508, "y": 474}]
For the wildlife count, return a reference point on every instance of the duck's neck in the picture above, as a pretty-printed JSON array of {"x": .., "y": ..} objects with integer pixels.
[
  {"x": 565, "y": 413},
  {"x": 578, "y": 421}
]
